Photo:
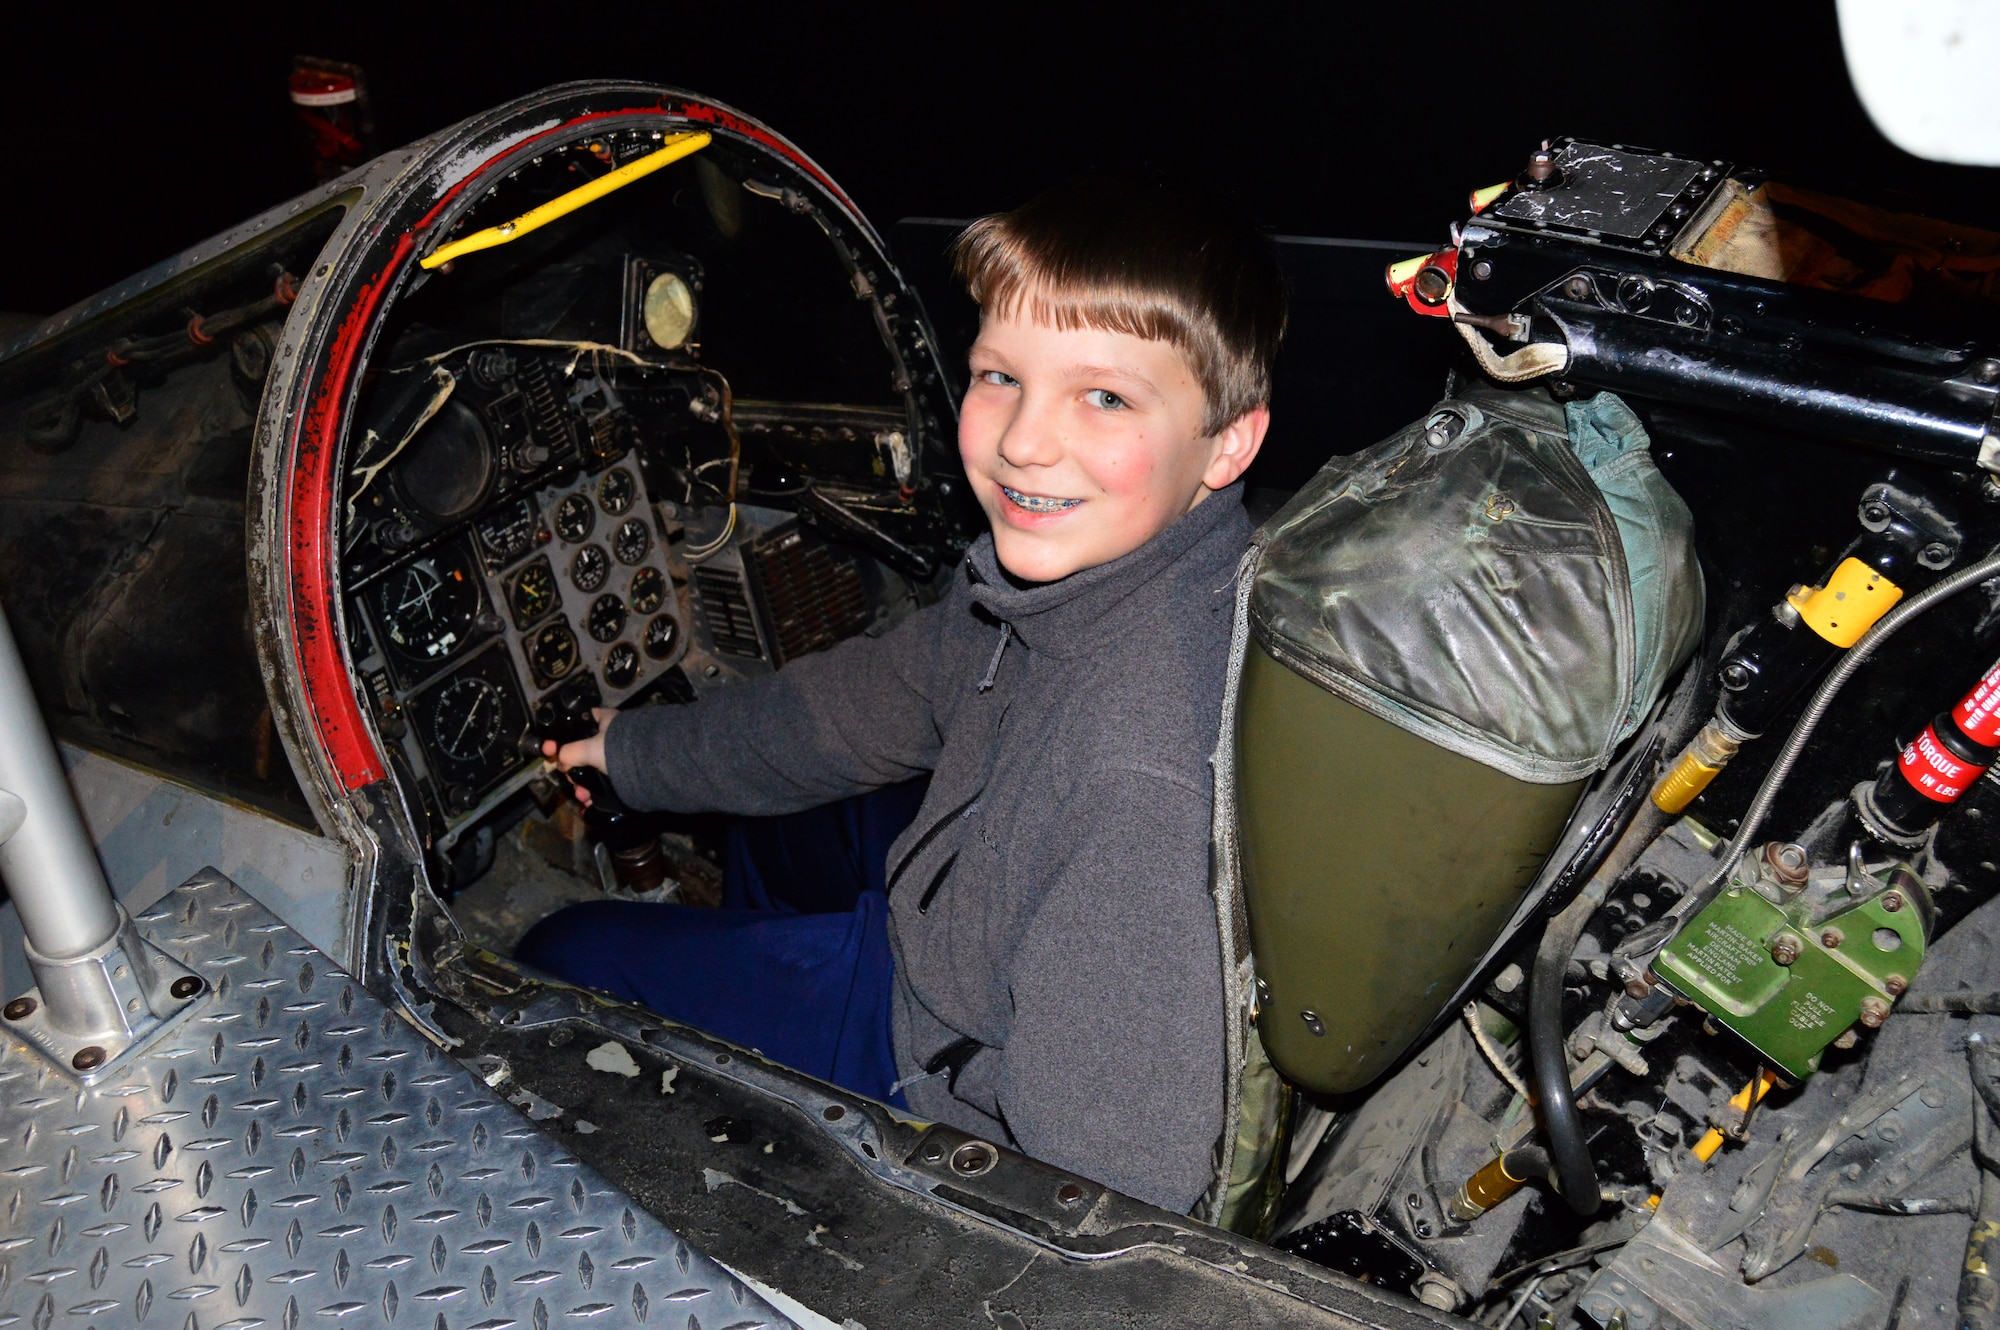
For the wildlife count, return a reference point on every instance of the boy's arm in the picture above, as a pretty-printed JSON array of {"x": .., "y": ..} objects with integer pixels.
[
  {"x": 828, "y": 725},
  {"x": 1114, "y": 1063}
]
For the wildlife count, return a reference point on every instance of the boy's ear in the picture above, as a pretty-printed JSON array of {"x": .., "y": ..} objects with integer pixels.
[{"x": 1236, "y": 447}]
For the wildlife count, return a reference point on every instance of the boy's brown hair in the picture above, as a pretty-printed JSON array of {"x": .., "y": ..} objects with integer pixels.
[{"x": 1159, "y": 262}]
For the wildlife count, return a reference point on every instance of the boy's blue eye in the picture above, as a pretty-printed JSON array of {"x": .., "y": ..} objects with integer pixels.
[
  {"x": 998, "y": 379},
  {"x": 1105, "y": 399}
]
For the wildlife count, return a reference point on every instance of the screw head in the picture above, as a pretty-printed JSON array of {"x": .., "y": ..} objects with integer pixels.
[
  {"x": 1935, "y": 555},
  {"x": 1735, "y": 676},
  {"x": 186, "y": 986},
  {"x": 1068, "y": 1194},
  {"x": 1831, "y": 939},
  {"x": 1874, "y": 1010},
  {"x": 1893, "y": 901},
  {"x": 88, "y": 1059},
  {"x": 1577, "y": 288},
  {"x": 1785, "y": 949},
  {"x": 1481, "y": 270},
  {"x": 19, "y": 1009},
  {"x": 1895, "y": 985},
  {"x": 933, "y": 1151}
]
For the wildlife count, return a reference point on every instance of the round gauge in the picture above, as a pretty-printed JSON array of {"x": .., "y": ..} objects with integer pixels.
[
  {"x": 465, "y": 718},
  {"x": 661, "y": 636},
  {"x": 669, "y": 310},
  {"x": 574, "y": 518},
  {"x": 649, "y": 590},
  {"x": 449, "y": 468},
  {"x": 606, "y": 618},
  {"x": 621, "y": 665},
  {"x": 632, "y": 541},
  {"x": 428, "y": 607},
  {"x": 533, "y": 593},
  {"x": 589, "y": 568},
  {"x": 510, "y": 532},
  {"x": 616, "y": 491},
  {"x": 553, "y": 652}
]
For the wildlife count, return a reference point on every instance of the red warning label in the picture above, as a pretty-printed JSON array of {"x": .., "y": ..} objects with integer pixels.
[
  {"x": 1933, "y": 772},
  {"x": 1979, "y": 714}
]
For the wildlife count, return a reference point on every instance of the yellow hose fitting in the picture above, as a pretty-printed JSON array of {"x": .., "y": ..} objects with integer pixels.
[
  {"x": 1706, "y": 754},
  {"x": 1848, "y": 605},
  {"x": 1485, "y": 1189}
]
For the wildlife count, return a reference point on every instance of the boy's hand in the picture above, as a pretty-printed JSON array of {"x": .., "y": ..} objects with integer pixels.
[{"x": 581, "y": 752}]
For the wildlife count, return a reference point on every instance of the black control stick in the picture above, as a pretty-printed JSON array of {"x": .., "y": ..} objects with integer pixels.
[{"x": 630, "y": 836}]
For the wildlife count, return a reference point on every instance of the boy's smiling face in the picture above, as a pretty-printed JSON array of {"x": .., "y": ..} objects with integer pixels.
[{"x": 1083, "y": 444}]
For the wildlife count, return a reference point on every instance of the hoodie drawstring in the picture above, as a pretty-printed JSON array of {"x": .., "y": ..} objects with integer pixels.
[{"x": 993, "y": 670}]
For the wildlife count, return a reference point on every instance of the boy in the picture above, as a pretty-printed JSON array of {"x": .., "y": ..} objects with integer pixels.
[{"x": 1042, "y": 968}]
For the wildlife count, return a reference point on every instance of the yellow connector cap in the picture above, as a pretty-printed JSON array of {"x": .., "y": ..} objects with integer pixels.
[
  {"x": 1849, "y": 604},
  {"x": 1482, "y": 199}
]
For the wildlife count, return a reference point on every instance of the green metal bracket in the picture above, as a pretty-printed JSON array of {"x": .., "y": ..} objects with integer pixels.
[{"x": 1790, "y": 972}]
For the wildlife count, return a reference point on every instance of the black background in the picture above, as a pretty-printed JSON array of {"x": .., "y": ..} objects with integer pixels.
[{"x": 135, "y": 132}]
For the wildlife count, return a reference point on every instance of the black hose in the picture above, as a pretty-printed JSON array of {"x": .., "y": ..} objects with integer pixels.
[
  {"x": 1978, "y": 1287},
  {"x": 1561, "y": 1122}
]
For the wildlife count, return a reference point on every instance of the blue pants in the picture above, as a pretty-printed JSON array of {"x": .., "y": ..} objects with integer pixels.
[{"x": 795, "y": 965}]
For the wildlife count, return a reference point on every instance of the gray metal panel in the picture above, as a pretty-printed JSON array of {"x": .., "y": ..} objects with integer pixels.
[
  {"x": 293, "y": 1153},
  {"x": 152, "y": 833}
]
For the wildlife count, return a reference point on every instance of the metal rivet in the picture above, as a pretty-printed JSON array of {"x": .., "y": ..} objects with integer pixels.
[
  {"x": 1313, "y": 1022},
  {"x": 1482, "y": 270},
  {"x": 19, "y": 1009},
  {"x": 186, "y": 986},
  {"x": 88, "y": 1059}
]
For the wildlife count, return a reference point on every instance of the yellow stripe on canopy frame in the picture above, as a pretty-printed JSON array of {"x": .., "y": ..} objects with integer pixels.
[{"x": 675, "y": 147}]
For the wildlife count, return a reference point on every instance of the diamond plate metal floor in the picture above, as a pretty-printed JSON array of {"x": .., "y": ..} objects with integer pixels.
[{"x": 294, "y": 1154}]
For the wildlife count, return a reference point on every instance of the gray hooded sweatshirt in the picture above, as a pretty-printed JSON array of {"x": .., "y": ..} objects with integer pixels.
[{"x": 1058, "y": 979}]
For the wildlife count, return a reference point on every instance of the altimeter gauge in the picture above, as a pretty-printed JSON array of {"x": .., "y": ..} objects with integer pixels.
[
  {"x": 589, "y": 568},
  {"x": 631, "y": 541}
]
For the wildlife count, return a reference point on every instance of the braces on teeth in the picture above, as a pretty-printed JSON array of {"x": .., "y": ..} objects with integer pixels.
[{"x": 1035, "y": 504}]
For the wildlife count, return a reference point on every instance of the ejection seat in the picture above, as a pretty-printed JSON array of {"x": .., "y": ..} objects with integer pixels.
[{"x": 1439, "y": 642}]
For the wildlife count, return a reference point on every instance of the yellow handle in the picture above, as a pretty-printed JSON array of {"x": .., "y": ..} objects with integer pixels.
[
  {"x": 676, "y": 147},
  {"x": 1849, "y": 604}
]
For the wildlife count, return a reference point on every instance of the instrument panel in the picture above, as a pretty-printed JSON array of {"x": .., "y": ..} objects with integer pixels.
[
  {"x": 537, "y": 527},
  {"x": 509, "y": 566}
]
